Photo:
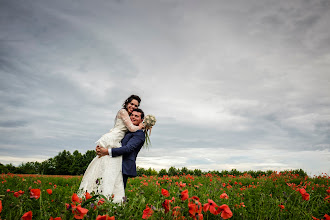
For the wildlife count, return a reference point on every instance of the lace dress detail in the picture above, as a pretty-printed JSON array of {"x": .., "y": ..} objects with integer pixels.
[{"x": 104, "y": 175}]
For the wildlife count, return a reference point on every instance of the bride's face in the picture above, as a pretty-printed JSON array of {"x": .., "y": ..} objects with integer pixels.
[{"x": 134, "y": 104}]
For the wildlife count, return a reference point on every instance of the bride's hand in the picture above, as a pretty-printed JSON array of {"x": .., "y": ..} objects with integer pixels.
[{"x": 141, "y": 125}]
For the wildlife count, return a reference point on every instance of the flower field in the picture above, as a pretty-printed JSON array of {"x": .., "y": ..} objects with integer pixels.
[{"x": 276, "y": 196}]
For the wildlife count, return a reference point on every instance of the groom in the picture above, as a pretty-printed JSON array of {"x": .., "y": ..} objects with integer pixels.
[{"x": 131, "y": 145}]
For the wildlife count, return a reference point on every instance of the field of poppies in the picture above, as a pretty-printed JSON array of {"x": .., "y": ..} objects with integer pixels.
[{"x": 277, "y": 196}]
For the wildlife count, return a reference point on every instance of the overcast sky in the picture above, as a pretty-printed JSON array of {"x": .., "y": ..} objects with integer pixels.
[{"x": 233, "y": 84}]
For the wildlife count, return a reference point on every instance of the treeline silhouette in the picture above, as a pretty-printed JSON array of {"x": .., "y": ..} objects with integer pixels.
[
  {"x": 64, "y": 163},
  {"x": 76, "y": 163}
]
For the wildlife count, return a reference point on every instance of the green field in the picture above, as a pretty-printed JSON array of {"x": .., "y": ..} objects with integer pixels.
[{"x": 209, "y": 196}]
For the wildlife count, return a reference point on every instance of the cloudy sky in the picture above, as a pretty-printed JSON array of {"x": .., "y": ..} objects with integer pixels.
[{"x": 233, "y": 84}]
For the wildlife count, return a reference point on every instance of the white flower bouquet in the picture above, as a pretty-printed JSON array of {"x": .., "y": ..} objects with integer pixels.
[{"x": 149, "y": 121}]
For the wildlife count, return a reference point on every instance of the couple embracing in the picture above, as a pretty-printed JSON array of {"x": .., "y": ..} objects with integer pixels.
[{"x": 116, "y": 150}]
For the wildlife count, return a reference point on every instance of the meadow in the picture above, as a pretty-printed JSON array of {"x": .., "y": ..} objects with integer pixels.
[{"x": 279, "y": 195}]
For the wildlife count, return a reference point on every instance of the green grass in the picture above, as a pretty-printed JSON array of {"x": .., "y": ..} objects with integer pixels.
[{"x": 249, "y": 198}]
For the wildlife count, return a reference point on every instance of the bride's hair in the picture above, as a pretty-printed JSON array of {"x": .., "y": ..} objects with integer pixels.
[{"x": 129, "y": 99}]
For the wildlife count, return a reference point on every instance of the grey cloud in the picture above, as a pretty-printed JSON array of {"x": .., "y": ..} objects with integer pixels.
[{"x": 234, "y": 76}]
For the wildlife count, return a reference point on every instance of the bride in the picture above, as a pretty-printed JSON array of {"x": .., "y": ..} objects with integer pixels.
[{"x": 104, "y": 174}]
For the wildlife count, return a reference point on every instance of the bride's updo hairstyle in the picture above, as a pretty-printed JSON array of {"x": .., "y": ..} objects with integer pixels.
[{"x": 129, "y": 99}]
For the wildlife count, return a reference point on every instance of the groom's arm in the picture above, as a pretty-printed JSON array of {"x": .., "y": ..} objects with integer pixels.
[{"x": 136, "y": 141}]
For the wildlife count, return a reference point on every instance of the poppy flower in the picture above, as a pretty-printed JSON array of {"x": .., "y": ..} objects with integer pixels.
[
  {"x": 305, "y": 196},
  {"x": 105, "y": 217},
  {"x": 176, "y": 211},
  {"x": 195, "y": 208},
  {"x": 35, "y": 193},
  {"x": 165, "y": 193},
  {"x": 302, "y": 191},
  {"x": 327, "y": 217},
  {"x": 281, "y": 206},
  {"x": 75, "y": 198},
  {"x": 57, "y": 218},
  {"x": 79, "y": 212},
  {"x": 27, "y": 216},
  {"x": 224, "y": 196},
  {"x": 0, "y": 206},
  {"x": 195, "y": 198},
  {"x": 147, "y": 212},
  {"x": 184, "y": 195},
  {"x": 182, "y": 184},
  {"x": 226, "y": 213},
  {"x": 100, "y": 202},
  {"x": 166, "y": 205},
  {"x": 49, "y": 191},
  {"x": 211, "y": 206},
  {"x": 87, "y": 196}
]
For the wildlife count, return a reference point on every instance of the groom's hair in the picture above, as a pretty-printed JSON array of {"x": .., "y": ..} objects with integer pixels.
[{"x": 139, "y": 110}]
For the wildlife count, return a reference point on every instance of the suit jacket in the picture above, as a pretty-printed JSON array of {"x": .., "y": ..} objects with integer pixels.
[{"x": 131, "y": 145}]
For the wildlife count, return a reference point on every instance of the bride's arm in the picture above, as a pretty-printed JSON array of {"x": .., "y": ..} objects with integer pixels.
[{"x": 123, "y": 114}]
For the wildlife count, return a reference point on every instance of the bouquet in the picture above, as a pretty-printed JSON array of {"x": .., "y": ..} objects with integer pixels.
[{"x": 148, "y": 122}]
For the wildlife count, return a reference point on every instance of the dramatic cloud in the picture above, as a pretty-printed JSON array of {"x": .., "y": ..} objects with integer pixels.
[{"x": 240, "y": 84}]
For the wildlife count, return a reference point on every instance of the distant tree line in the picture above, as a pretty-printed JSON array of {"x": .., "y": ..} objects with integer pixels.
[
  {"x": 64, "y": 163},
  {"x": 76, "y": 163}
]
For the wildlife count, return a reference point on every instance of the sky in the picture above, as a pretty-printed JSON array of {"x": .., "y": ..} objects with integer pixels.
[{"x": 233, "y": 84}]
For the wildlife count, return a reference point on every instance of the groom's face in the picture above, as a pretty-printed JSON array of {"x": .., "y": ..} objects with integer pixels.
[{"x": 136, "y": 118}]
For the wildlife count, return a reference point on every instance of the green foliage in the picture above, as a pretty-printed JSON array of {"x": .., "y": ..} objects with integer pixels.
[
  {"x": 172, "y": 171},
  {"x": 162, "y": 172},
  {"x": 249, "y": 197},
  {"x": 64, "y": 163}
]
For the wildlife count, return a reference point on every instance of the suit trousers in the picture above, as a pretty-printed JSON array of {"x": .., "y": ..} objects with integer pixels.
[{"x": 125, "y": 177}]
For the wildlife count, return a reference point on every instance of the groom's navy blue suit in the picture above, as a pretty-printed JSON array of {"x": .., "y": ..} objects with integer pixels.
[{"x": 131, "y": 145}]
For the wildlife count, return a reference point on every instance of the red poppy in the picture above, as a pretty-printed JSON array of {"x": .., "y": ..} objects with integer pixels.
[
  {"x": 35, "y": 193},
  {"x": 195, "y": 198},
  {"x": 49, "y": 191},
  {"x": 27, "y": 216},
  {"x": 327, "y": 217},
  {"x": 57, "y": 218},
  {"x": 184, "y": 195},
  {"x": 195, "y": 209},
  {"x": 87, "y": 195},
  {"x": 225, "y": 211},
  {"x": 224, "y": 196},
  {"x": 210, "y": 206},
  {"x": 281, "y": 206},
  {"x": 147, "y": 212},
  {"x": 105, "y": 217},
  {"x": 176, "y": 211},
  {"x": 182, "y": 184},
  {"x": 79, "y": 212},
  {"x": 305, "y": 196},
  {"x": 100, "y": 202},
  {"x": 0, "y": 206},
  {"x": 75, "y": 198},
  {"x": 166, "y": 205},
  {"x": 302, "y": 191},
  {"x": 16, "y": 194},
  {"x": 165, "y": 193}
]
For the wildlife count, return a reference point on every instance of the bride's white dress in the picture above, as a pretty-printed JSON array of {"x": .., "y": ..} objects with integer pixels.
[{"x": 104, "y": 175}]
